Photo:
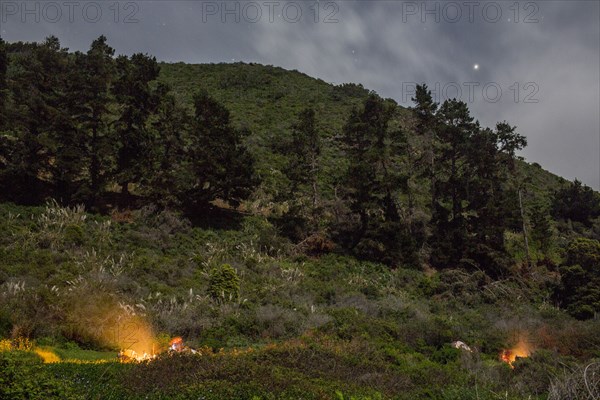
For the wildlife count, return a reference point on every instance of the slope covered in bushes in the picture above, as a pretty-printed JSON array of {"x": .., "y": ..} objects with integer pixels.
[{"x": 303, "y": 327}]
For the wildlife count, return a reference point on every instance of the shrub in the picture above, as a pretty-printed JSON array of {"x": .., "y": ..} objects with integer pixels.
[
  {"x": 582, "y": 382},
  {"x": 224, "y": 284},
  {"x": 579, "y": 289},
  {"x": 74, "y": 235},
  {"x": 23, "y": 377}
]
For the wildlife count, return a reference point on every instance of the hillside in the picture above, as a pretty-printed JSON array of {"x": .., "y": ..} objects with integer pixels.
[
  {"x": 287, "y": 327},
  {"x": 258, "y": 234},
  {"x": 267, "y": 99}
]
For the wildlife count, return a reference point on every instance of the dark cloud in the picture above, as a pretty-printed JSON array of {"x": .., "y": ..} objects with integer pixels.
[{"x": 386, "y": 46}]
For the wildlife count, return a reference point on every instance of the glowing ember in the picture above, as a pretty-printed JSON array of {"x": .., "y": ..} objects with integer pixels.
[
  {"x": 176, "y": 344},
  {"x": 521, "y": 350},
  {"x": 136, "y": 340},
  {"x": 131, "y": 355}
]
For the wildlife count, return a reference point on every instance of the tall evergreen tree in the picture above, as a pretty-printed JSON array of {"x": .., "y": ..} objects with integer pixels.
[
  {"x": 137, "y": 101},
  {"x": 576, "y": 202},
  {"x": 92, "y": 105},
  {"x": 374, "y": 181},
  {"x": 541, "y": 227},
  {"x": 490, "y": 198},
  {"x": 6, "y": 140},
  {"x": 304, "y": 153},
  {"x": 218, "y": 165},
  {"x": 170, "y": 137},
  {"x": 472, "y": 201},
  {"x": 69, "y": 146},
  {"x": 3, "y": 84},
  {"x": 37, "y": 92},
  {"x": 426, "y": 126},
  {"x": 450, "y": 229}
]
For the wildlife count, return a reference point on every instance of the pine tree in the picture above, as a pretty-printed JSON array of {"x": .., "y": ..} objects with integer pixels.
[
  {"x": 426, "y": 126},
  {"x": 472, "y": 207},
  {"x": 6, "y": 140},
  {"x": 450, "y": 226},
  {"x": 576, "y": 202},
  {"x": 170, "y": 135},
  {"x": 37, "y": 93},
  {"x": 137, "y": 101},
  {"x": 490, "y": 197},
  {"x": 374, "y": 181},
  {"x": 3, "y": 85},
  {"x": 92, "y": 103},
  {"x": 541, "y": 231},
  {"x": 303, "y": 168},
  {"x": 218, "y": 165}
]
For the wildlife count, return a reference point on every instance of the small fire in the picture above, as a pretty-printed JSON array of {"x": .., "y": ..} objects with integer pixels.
[
  {"x": 176, "y": 344},
  {"x": 520, "y": 350},
  {"x": 144, "y": 353},
  {"x": 131, "y": 355},
  {"x": 136, "y": 339}
]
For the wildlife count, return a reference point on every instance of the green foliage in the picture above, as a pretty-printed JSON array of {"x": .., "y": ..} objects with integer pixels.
[
  {"x": 303, "y": 167},
  {"x": 74, "y": 234},
  {"x": 3, "y": 84},
  {"x": 138, "y": 102},
  {"x": 310, "y": 325},
  {"x": 579, "y": 289},
  {"x": 22, "y": 376},
  {"x": 314, "y": 325},
  {"x": 541, "y": 227},
  {"x": 576, "y": 202},
  {"x": 218, "y": 165},
  {"x": 373, "y": 184},
  {"x": 473, "y": 200},
  {"x": 224, "y": 284},
  {"x": 84, "y": 121}
]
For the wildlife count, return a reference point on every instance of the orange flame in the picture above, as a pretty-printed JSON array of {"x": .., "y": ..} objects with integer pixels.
[{"x": 520, "y": 350}]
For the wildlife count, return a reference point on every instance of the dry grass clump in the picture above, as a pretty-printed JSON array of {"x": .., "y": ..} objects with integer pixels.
[{"x": 579, "y": 383}]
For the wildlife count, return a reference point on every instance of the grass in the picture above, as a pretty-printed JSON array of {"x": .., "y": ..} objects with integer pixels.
[{"x": 318, "y": 328}]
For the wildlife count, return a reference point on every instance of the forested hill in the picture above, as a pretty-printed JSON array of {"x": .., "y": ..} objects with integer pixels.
[
  {"x": 332, "y": 167},
  {"x": 267, "y": 99},
  {"x": 310, "y": 240}
]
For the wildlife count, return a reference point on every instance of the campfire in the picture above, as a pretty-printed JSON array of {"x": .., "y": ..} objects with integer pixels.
[
  {"x": 129, "y": 355},
  {"x": 520, "y": 350},
  {"x": 175, "y": 346}
]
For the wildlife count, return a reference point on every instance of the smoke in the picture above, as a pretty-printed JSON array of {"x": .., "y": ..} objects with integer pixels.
[{"x": 101, "y": 318}]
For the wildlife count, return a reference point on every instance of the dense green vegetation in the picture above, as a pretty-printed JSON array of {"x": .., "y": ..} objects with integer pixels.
[
  {"x": 315, "y": 325},
  {"x": 310, "y": 240}
]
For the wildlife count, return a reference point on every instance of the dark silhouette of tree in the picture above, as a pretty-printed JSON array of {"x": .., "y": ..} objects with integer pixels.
[
  {"x": 3, "y": 85},
  {"x": 92, "y": 107},
  {"x": 304, "y": 161},
  {"x": 218, "y": 165},
  {"x": 576, "y": 202},
  {"x": 541, "y": 227},
  {"x": 474, "y": 205},
  {"x": 137, "y": 101},
  {"x": 449, "y": 239},
  {"x": 170, "y": 133},
  {"x": 374, "y": 182},
  {"x": 37, "y": 90},
  {"x": 427, "y": 125},
  {"x": 579, "y": 289}
]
